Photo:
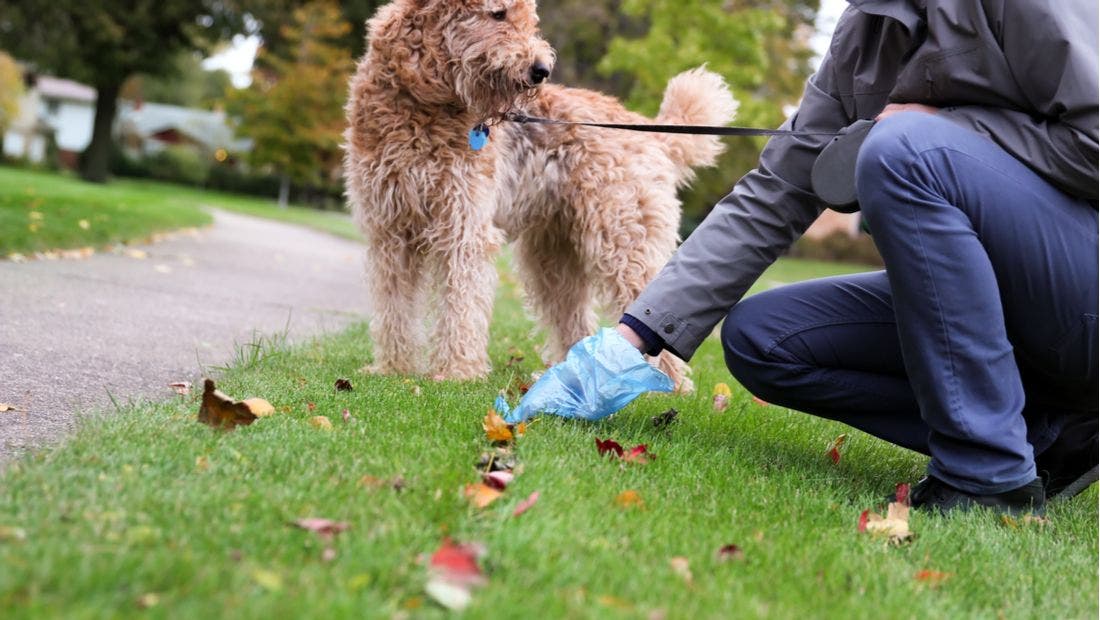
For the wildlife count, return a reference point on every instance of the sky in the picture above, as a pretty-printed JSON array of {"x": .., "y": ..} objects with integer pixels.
[{"x": 237, "y": 58}]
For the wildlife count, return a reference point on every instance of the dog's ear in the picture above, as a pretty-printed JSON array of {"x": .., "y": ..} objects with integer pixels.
[{"x": 405, "y": 40}]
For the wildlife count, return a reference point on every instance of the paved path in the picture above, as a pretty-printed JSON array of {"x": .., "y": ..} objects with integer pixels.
[{"x": 72, "y": 330}]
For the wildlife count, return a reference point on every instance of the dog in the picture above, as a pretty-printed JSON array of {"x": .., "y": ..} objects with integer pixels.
[{"x": 592, "y": 214}]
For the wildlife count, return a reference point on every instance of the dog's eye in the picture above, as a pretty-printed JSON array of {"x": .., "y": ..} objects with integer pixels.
[{"x": 499, "y": 15}]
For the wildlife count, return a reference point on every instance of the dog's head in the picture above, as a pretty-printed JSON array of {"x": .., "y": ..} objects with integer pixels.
[{"x": 481, "y": 54}]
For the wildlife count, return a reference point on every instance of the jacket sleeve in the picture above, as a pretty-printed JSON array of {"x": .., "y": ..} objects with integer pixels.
[
  {"x": 1051, "y": 49},
  {"x": 768, "y": 209}
]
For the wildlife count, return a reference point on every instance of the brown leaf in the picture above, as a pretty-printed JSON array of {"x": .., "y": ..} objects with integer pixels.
[
  {"x": 183, "y": 388},
  {"x": 526, "y": 504},
  {"x": 321, "y": 422},
  {"x": 481, "y": 495},
  {"x": 761, "y": 402},
  {"x": 665, "y": 419},
  {"x": 629, "y": 499},
  {"x": 496, "y": 429},
  {"x": 220, "y": 411},
  {"x": 259, "y": 407},
  {"x": 4, "y": 407},
  {"x": 311, "y": 407},
  {"x": 933, "y": 578},
  {"x": 343, "y": 385},
  {"x": 731, "y": 553},
  {"x": 682, "y": 567},
  {"x": 894, "y": 526},
  {"x": 325, "y": 528},
  {"x": 834, "y": 450}
]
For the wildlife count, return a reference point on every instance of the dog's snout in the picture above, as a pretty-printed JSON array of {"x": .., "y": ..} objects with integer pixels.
[{"x": 539, "y": 72}]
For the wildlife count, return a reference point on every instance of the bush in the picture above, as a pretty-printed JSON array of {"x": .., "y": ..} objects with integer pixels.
[{"x": 180, "y": 164}]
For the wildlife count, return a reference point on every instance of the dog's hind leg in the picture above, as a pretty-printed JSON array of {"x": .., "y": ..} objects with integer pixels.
[
  {"x": 556, "y": 288},
  {"x": 468, "y": 285},
  {"x": 394, "y": 279}
]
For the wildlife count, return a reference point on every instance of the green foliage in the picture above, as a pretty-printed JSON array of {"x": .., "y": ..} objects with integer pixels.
[
  {"x": 185, "y": 83},
  {"x": 294, "y": 110},
  {"x": 180, "y": 163},
  {"x": 11, "y": 89},
  {"x": 761, "y": 47}
]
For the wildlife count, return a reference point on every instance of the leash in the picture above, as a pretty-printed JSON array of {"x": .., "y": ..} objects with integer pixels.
[{"x": 696, "y": 130}]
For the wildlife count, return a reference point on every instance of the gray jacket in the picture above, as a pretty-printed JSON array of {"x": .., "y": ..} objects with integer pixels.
[{"x": 1023, "y": 72}]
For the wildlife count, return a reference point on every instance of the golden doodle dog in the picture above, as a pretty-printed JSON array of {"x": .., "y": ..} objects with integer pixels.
[{"x": 592, "y": 214}]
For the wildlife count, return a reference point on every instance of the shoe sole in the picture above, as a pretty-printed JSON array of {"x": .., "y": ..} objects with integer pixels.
[{"x": 1074, "y": 488}]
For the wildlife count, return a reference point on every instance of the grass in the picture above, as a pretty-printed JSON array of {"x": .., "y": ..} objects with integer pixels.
[
  {"x": 41, "y": 211},
  {"x": 146, "y": 512}
]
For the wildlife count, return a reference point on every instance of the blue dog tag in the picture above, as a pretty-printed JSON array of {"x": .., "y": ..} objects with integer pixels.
[{"x": 479, "y": 137}]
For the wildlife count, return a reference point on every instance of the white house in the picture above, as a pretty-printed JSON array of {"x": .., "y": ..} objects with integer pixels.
[
  {"x": 52, "y": 106},
  {"x": 147, "y": 128}
]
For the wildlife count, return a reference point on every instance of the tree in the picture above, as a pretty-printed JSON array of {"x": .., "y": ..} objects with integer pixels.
[
  {"x": 294, "y": 110},
  {"x": 270, "y": 14},
  {"x": 11, "y": 90},
  {"x": 761, "y": 47},
  {"x": 185, "y": 83},
  {"x": 106, "y": 41}
]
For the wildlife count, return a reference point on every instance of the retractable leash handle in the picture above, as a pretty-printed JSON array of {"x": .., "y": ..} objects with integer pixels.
[{"x": 834, "y": 173}]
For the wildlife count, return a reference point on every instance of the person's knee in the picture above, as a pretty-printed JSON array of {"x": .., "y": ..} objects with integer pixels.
[
  {"x": 889, "y": 154},
  {"x": 745, "y": 341}
]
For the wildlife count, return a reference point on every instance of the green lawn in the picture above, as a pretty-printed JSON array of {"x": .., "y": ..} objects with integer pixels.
[
  {"x": 42, "y": 211},
  {"x": 146, "y": 512}
]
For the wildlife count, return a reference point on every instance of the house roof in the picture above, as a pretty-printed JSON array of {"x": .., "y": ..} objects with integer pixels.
[
  {"x": 211, "y": 129},
  {"x": 50, "y": 87}
]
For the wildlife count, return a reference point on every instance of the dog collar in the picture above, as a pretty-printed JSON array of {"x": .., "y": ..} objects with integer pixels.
[{"x": 479, "y": 137}]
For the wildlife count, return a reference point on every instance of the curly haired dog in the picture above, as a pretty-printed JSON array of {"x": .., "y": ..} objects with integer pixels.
[{"x": 593, "y": 214}]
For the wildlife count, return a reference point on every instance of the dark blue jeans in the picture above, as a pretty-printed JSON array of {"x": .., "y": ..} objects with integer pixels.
[{"x": 980, "y": 337}]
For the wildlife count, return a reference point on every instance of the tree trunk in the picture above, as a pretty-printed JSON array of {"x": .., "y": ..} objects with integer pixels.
[
  {"x": 284, "y": 191},
  {"x": 96, "y": 162}
]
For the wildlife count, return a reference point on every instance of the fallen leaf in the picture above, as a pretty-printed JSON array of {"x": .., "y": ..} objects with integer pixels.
[
  {"x": 834, "y": 450},
  {"x": 501, "y": 459},
  {"x": 639, "y": 454},
  {"x": 901, "y": 494},
  {"x": 933, "y": 578},
  {"x": 149, "y": 599},
  {"x": 614, "y": 602},
  {"x": 665, "y": 419},
  {"x": 498, "y": 480},
  {"x": 346, "y": 415},
  {"x": 220, "y": 411},
  {"x": 730, "y": 553},
  {"x": 515, "y": 357},
  {"x": 682, "y": 567},
  {"x": 325, "y": 528},
  {"x": 328, "y": 555},
  {"x": 453, "y": 573},
  {"x": 321, "y": 422},
  {"x": 4, "y": 407},
  {"x": 496, "y": 429},
  {"x": 259, "y": 407},
  {"x": 311, "y": 407},
  {"x": 721, "y": 397},
  {"x": 481, "y": 495},
  {"x": 894, "y": 526},
  {"x": 371, "y": 482},
  {"x": 343, "y": 385},
  {"x": 521, "y": 429},
  {"x": 137, "y": 254},
  {"x": 267, "y": 579},
  {"x": 183, "y": 388},
  {"x": 1026, "y": 520},
  {"x": 202, "y": 463},
  {"x": 603, "y": 446},
  {"x": 9, "y": 533},
  {"x": 761, "y": 402},
  {"x": 629, "y": 499},
  {"x": 526, "y": 504}
]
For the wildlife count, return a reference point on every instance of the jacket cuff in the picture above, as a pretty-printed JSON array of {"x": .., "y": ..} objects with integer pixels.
[{"x": 653, "y": 343}]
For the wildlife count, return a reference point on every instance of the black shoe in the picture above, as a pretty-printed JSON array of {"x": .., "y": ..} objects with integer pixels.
[
  {"x": 933, "y": 494},
  {"x": 1069, "y": 465}
]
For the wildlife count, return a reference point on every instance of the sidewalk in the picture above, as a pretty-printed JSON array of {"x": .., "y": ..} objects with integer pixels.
[{"x": 75, "y": 333}]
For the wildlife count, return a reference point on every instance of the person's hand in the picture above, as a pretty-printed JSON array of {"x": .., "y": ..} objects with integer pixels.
[
  {"x": 896, "y": 108},
  {"x": 600, "y": 375},
  {"x": 631, "y": 336}
]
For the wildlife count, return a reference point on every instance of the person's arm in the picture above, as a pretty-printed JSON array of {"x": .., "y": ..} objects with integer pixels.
[
  {"x": 1051, "y": 49},
  {"x": 766, "y": 212}
]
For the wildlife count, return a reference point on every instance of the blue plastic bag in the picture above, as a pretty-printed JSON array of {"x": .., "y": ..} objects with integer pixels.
[{"x": 600, "y": 375}]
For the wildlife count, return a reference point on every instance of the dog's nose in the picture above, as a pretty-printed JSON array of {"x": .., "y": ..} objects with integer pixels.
[{"x": 539, "y": 73}]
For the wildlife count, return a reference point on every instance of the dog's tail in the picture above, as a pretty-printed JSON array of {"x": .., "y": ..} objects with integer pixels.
[{"x": 696, "y": 97}]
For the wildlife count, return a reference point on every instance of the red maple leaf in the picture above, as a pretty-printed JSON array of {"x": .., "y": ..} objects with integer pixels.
[
  {"x": 863, "y": 517},
  {"x": 638, "y": 454},
  {"x": 458, "y": 562},
  {"x": 526, "y": 504},
  {"x": 901, "y": 494},
  {"x": 609, "y": 445}
]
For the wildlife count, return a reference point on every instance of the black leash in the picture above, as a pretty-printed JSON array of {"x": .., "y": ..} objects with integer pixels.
[{"x": 696, "y": 130}]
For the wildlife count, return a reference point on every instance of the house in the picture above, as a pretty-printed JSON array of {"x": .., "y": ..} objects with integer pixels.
[
  {"x": 52, "y": 109},
  {"x": 145, "y": 129}
]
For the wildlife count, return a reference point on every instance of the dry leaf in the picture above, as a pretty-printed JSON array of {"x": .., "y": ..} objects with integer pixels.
[
  {"x": 183, "y": 388},
  {"x": 901, "y": 494},
  {"x": 10, "y": 533},
  {"x": 321, "y": 422},
  {"x": 665, "y": 419},
  {"x": 629, "y": 499},
  {"x": 721, "y": 397},
  {"x": 498, "y": 480},
  {"x": 894, "y": 526},
  {"x": 220, "y": 411},
  {"x": 604, "y": 446},
  {"x": 311, "y": 407},
  {"x": 202, "y": 463},
  {"x": 453, "y": 572},
  {"x": 933, "y": 578},
  {"x": 682, "y": 567},
  {"x": 760, "y": 401},
  {"x": 6, "y": 407},
  {"x": 1025, "y": 520},
  {"x": 346, "y": 415},
  {"x": 730, "y": 553},
  {"x": 834, "y": 450},
  {"x": 481, "y": 495},
  {"x": 526, "y": 504},
  {"x": 149, "y": 599},
  {"x": 639, "y": 454},
  {"x": 325, "y": 528},
  {"x": 496, "y": 429},
  {"x": 343, "y": 385},
  {"x": 521, "y": 429}
]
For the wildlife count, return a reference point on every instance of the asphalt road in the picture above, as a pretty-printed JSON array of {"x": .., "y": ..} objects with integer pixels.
[{"x": 74, "y": 331}]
